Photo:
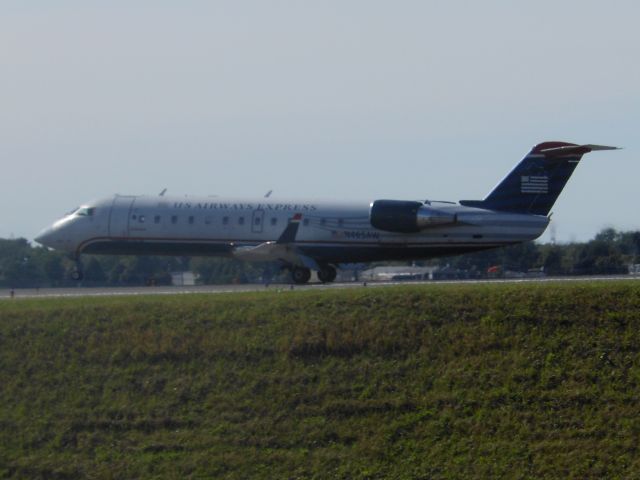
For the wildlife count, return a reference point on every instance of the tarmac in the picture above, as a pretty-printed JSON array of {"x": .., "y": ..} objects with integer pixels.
[{"x": 18, "y": 293}]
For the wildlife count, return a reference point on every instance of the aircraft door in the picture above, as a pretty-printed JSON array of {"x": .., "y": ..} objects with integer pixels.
[
  {"x": 119, "y": 216},
  {"x": 257, "y": 221}
]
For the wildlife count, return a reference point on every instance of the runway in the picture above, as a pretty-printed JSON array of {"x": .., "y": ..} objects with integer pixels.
[
  {"x": 164, "y": 290},
  {"x": 22, "y": 293}
]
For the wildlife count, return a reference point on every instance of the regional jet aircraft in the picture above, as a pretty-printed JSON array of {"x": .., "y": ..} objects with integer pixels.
[{"x": 318, "y": 235}]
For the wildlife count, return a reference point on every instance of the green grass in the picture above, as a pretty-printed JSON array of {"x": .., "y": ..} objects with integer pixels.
[{"x": 486, "y": 381}]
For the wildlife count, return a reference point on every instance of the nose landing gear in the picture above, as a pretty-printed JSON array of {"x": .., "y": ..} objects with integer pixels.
[{"x": 77, "y": 273}]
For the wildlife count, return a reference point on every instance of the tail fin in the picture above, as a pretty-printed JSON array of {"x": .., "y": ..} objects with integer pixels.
[{"x": 534, "y": 185}]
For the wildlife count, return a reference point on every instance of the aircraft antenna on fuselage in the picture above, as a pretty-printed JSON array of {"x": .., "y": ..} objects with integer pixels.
[
  {"x": 268, "y": 194},
  {"x": 163, "y": 192}
]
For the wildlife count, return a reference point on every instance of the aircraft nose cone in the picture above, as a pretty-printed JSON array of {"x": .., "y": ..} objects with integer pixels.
[{"x": 45, "y": 237}]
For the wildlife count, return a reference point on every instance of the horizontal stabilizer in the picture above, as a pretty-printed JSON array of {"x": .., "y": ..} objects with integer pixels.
[{"x": 566, "y": 150}]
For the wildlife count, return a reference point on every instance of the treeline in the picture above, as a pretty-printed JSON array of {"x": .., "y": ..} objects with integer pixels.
[
  {"x": 25, "y": 266},
  {"x": 610, "y": 252}
]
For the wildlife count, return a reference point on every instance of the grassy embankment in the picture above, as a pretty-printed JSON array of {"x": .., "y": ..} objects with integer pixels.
[{"x": 520, "y": 381}]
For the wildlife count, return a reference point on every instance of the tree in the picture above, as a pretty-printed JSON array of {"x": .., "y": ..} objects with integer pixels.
[
  {"x": 94, "y": 273},
  {"x": 552, "y": 261}
]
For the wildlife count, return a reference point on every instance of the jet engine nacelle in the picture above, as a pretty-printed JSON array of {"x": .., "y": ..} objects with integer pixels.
[{"x": 406, "y": 216}]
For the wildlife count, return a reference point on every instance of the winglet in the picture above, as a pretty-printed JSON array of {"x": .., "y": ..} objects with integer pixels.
[{"x": 289, "y": 234}]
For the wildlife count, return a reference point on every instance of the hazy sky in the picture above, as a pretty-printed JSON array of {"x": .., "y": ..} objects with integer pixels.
[{"x": 326, "y": 99}]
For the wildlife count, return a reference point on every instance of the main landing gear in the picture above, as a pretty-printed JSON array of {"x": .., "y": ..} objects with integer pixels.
[
  {"x": 327, "y": 274},
  {"x": 301, "y": 275}
]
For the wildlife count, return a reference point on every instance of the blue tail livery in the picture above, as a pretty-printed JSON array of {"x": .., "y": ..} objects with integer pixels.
[{"x": 534, "y": 185}]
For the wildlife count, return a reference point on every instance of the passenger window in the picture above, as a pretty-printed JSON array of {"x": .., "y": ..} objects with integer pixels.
[
  {"x": 241, "y": 221},
  {"x": 141, "y": 218},
  {"x": 340, "y": 222},
  {"x": 323, "y": 221},
  {"x": 156, "y": 219},
  {"x": 191, "y": 220},
  {"x": 256, "y": 221},
  {"x": 207, "y": 220},
  {"x": 174, "y": 219},
  {"x": 274, "y": 221},
  {"x": 225, "y": 220},
  {"x": 134, "y": 216}
]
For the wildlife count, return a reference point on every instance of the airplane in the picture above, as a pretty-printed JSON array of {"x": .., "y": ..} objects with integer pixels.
[{"x": 321, "y": 235}]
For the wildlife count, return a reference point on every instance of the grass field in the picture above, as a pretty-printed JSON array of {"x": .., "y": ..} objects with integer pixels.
[{"x": 436, "y": 381}]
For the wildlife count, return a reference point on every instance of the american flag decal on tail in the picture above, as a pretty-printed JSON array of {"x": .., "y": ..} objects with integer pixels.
[{"x": 534, "y": 184}]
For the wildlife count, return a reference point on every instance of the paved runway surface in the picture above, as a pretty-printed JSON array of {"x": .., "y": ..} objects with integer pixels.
[{"x": 175, "y": 290}]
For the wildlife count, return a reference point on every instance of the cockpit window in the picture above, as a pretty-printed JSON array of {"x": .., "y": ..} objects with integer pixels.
[
  {"x": 72, "y": 212},
  {"x": 85, "y": 211}
]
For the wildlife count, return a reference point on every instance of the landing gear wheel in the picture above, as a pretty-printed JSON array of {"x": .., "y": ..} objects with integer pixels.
[
  {"x": 76, "y": 273},
  {"x": 327, "y": 274},
  {"x": 300, "y": 275}
]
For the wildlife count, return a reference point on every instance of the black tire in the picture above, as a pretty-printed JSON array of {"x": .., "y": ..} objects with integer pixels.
[
  {"x": 327, "y": 274},
  {"x": 300, "y": 275}
]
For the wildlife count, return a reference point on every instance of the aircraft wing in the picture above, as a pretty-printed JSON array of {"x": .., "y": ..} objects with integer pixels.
[{"x": 283, "y": 249}]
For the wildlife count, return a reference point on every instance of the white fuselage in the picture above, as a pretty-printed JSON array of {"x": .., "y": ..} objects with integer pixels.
[
  {"x": 329, "y": 232},
  {"x": 317, "y": 235}
]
